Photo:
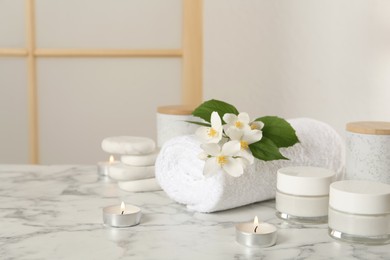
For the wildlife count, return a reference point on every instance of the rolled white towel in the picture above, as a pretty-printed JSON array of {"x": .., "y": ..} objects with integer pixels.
[
  {"x": 121, "y": 172},
  {"x": 140, "y": 160},
  {"x": 140, "y": 185},
  {"x": 179, "y": 171}
]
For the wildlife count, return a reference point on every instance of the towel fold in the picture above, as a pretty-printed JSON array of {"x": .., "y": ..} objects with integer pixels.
[
  {"x": 179, "y": 171},
  {"x": 140, "y": 185}
]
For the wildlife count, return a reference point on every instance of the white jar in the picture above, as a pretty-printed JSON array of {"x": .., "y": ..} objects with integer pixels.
[
  {"x": 359, "y": 211},
  {"x": 302, "y": 194},
  {"x": 368, "y": 151},
  {"x": 171, "y": 122}
]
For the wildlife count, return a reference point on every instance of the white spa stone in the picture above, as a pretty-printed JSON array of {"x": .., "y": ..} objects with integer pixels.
[
  {"x": 121, "y": 172},
  {"x": 140, "y": 185},
  {"x": 128, "y": 145},
  {"x": 140, "y": 160}
]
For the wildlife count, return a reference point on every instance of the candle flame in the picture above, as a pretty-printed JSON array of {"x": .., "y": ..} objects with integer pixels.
[
  {"x": 112, "y": 159},
  {"x": 256, "y": 221},
  {"x": 122, "y": 206}
]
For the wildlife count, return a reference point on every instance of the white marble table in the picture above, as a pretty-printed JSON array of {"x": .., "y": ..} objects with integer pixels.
[{"x": 55, "y": 212}]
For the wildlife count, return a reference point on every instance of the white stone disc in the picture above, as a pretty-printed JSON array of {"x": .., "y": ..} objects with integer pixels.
[
  {"x": 129, "y": 145},
  {"x": 121, "y": 172},
  {"x": 140, "y": 160}
]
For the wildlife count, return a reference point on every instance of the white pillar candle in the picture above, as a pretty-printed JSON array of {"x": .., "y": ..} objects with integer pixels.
[
  {"x": 302, "y": 194},
  {"x": 123, "y": 215},
  {"x": 359, "y": 211},
  {"x": 255, "y": 234},
  {"x": 368, "y": 151}
]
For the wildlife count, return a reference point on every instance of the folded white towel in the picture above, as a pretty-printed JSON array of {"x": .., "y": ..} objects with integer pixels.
[
  {"x": 121, "y": 172},
  {"x": 140, "y": 185},
  {"x": 180, "y": 172}
]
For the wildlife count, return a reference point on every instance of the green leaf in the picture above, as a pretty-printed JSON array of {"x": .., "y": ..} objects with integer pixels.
[
  {"x": 205, "y": 109},
  {"x": 279, "y": 131},
  {"x": 266, "y": 150},
  {"x": 198, "y": 123}
]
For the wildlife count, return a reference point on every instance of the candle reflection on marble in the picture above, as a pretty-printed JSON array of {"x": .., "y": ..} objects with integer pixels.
[
  {"x": 255, "y": 234},
  {"x": 124, "y": 215},
  {"x": 104, "y": 167}
]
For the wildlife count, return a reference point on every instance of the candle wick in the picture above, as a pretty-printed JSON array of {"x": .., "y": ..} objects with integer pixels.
[
  {"x": 256, "y": 228},
  {"x": 122, "y": 212}
]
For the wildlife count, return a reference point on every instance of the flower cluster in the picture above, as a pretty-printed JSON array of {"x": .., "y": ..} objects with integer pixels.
[
  {"x": 235, "y": 137},
  {"x": 231, "y": 141}
]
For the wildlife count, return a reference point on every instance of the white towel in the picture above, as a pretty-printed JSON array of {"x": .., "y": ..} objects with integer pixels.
[{"x": 179, "y": 171}]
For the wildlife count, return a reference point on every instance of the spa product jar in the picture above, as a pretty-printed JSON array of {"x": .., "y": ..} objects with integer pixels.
[
  {"x": 302, "y": 194},
  {"x": 171, "y": 122},
  {"x": 359, "y": 211},
  {"x": 368, "y": 151}
]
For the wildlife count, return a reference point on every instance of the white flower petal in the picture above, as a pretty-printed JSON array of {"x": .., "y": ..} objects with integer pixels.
[
  {"x": 234, "y": 133},
  {"x": 258, "y": 125},
  {"x": 216, "y": 122},
  {"x": 231, "y": 148},
  {"x": 211, "y": 149},
  {"x": 233, "y": 167},
  {"x": 247, "y": 157},
  {"x": 202, "y": 132},
  {"x": 229, "y": 118},
  {"x": 244, "y": 118},
  {"x": 252, "y": 136},
  {"x": 211, "y": 167},
  {"x": 203, "y": 156}
]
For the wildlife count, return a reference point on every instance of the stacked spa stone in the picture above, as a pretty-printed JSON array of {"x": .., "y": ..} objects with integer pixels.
[{"x": 136, "y": 171}]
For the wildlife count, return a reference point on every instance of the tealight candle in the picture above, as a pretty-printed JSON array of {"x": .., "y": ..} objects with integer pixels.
[
  {"x": 104, "y": 167},
  {"x": 124, "y": 215},
  {"x": 359, "y": 212},
  {"x": 255, "y": 234}
]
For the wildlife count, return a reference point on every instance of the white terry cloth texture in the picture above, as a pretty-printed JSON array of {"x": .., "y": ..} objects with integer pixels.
[
  {"x": 140, "y": 185},
  {"x": 179, "y": 171},
  {"x": 121, "y": 172},
  {"x": 131, "y": 145},
  {"x": 140, "y": 160}
]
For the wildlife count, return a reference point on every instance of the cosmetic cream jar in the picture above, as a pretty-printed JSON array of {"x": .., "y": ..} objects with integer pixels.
[
  {"x": 368, "y": 151},
  {"x": 302, "y": 194},
  {"x": 172, "y": 121},
  {"x": 359, "y": 211}
]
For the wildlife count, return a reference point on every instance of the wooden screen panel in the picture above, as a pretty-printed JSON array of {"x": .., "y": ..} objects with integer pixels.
[
  {"x": 12, "y": 25},
  {"x": 13, "y": 111},
  {"x": 97, "y": 24},
  {"x": 83, "y": 101},
  {"x": 191, "y": 53}
]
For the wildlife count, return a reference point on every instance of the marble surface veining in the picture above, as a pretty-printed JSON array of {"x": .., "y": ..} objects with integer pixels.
[{"x": 55, "y": 212}]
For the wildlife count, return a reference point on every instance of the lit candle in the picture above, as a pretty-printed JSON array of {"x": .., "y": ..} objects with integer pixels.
[
  {"x": 104, "y": 167},
  {"x": 121, "y": 216},
  {"x": 255, "y": 234}
]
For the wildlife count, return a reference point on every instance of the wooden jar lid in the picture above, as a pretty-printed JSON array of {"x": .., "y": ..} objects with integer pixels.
[
  {"x": 176, "y": 110},
  {"x": 369, "y": 127}
]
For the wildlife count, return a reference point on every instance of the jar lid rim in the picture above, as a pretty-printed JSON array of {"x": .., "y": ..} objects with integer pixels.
[{"x": 369, "y": 127}]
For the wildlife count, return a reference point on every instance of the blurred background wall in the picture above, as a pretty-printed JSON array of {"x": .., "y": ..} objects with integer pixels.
[{"x": 324, "y": 59}]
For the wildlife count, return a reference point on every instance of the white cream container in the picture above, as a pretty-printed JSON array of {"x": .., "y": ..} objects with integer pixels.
[
  {"x": 359, "y": 211},
  {"x": 302, "y": 194},
  {"x": 171, "y": 122},
  {"x": 368, "y": 151}
]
